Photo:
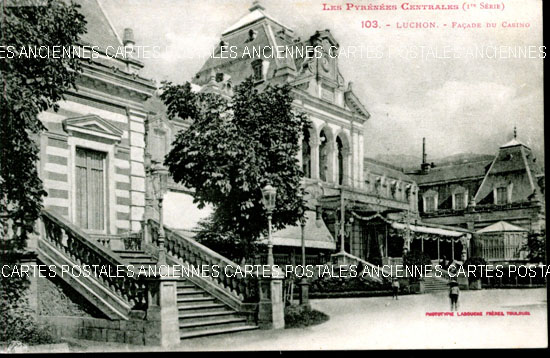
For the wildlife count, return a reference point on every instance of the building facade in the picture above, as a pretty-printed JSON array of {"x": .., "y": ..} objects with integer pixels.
[
  {"x": 343, "y": 187},
  {"x": 92, "y": 152},
  {"x": 476, "y": 194}
]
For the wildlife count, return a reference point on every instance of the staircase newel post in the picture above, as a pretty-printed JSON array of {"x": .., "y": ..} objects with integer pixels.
[
  {"x": 271, "y": 307},
  {"x": 162, "y": 309}
]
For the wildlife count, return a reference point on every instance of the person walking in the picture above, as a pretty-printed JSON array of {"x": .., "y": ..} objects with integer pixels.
[
  {"x": 454, "y": 291},
  {"x": 395, "y": 287}
]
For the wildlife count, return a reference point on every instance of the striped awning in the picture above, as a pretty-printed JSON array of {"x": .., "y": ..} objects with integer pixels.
[{"x": 427, "y": 230}]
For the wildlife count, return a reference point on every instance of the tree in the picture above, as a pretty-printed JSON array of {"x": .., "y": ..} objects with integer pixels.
[
  {"x": 536, "y": 247},
  {"x": 30, "y": 85},
  {"x": 414, "y": 260},
  {"x": 233, "y": 148}
]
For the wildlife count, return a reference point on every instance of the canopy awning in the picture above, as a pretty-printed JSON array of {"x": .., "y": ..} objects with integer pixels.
[
  {"x": 501, "y": 226},
  {"x": 428, "y": 230},
  {"x": 317, "y": 235}
]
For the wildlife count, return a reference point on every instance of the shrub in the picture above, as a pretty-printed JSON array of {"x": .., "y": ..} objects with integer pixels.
[
  {"x": 300, "y": 316},
  {"x": 18, "y": 324},
  {"x": 415, "y": 258},
  {"x": 346, "y": 284}
]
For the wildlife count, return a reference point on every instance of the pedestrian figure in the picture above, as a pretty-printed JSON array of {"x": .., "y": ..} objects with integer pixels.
[
  {"x": 453, "y": 295},
  {"x": 395, "y": 287}
]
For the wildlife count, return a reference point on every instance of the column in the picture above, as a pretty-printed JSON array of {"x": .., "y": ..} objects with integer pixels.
[
  {"x": 162, "y": 313},
  {"x": 346, "y": 154},
  {"x": 271, "y": 307},
  {"x": 452, "y": 250},
  {"x": 314, "y": 143},
  {"x": 332, "y": 156}
]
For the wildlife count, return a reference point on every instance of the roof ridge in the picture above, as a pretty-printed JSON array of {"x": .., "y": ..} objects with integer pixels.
[
  {"x": 389, "y": 165},
  {"x": 108, "y": 21}
]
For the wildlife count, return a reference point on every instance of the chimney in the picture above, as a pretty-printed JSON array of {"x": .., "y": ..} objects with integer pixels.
[
  {"x": 128, "y": 38},
  {"x": 256, "y": 6},
  {"x": 425, "y": 166}
]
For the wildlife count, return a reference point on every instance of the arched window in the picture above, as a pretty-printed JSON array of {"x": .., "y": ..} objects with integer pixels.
[
  {"x": 323, "y": 156},
  {"x": 340, "y": 147},
  {"x": 306, "y": 154}
]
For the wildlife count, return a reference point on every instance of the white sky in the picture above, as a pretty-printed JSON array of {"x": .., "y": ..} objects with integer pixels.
[{"x": 459, "y": 105}]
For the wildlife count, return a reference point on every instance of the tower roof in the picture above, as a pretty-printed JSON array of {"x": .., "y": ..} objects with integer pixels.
[
  {"x": 257, "y": 13},
  {"x": 514, "y": 141}
]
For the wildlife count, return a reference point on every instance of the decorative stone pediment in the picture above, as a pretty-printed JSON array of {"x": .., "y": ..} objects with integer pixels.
[{"x": 92, "y": 125}]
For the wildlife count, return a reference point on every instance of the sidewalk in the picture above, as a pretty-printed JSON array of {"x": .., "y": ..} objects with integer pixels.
[{"x": 381, "y": 323}]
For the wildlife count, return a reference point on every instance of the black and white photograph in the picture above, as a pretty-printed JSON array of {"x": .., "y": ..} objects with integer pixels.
[{"x": 272, "y": 175}]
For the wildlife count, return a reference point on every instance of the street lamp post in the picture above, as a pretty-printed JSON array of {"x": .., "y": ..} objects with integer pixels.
[
  {"x": 304, "y": 285},
  {"x": 160, "y": 179},
  {"x": 269, "y": 196}
]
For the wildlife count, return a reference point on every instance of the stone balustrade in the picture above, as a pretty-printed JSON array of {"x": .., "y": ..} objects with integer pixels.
[{"x": 242, "y": 287}]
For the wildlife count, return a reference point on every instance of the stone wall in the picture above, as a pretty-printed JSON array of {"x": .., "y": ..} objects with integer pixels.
[
  {"x": 56, "y": 298},
  {"x": 99, "y": 329}
]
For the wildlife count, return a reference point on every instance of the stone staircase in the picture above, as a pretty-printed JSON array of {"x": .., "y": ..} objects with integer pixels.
[
  {"x": 201, "y": 306},
  {"x": 136, "y": 258},
  {"x": 201, "y": 314},
  {"x": 434, "y": 284}
]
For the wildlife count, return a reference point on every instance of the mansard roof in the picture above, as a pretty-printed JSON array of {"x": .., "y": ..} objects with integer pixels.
[
  {"x": 256, "y": 14},
  {"x": 295, "y": 67},
  {"x": 459, "y": 171},
  {"x": 514, "y": 142},
  {"x": 384, "y": 169},
  {"x": 99, "y": 29}
]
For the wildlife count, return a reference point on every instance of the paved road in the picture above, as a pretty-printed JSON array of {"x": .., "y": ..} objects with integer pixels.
[{"x": 380, "y": 323}]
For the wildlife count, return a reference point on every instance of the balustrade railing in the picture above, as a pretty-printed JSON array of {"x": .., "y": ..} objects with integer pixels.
[
  {"x": 83, "y": 250},
  {"x": 231, "y": 277}
]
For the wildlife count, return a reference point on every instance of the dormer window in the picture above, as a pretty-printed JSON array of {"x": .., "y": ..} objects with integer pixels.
[
  {"x": 460, "y": 197},
  {"x": 258, "y": 69},
  {"x": 459, "y": 201},
  {"x": 502, "y": 196},
  {"x": 252, "y": 35},
  {"x": 430, "y": 201}
]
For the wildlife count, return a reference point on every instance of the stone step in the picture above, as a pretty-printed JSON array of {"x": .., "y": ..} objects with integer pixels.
[
  {"x": 190, "y": 301},
  {"x": 207, "y": 307},
  {"x": 206, "y": 316},
  {"x": 209, "y": 332},
  {"x": 192, "y": 294},
  {"x": 184, "y": 284},
  {"x": 132, "y": 254},
  {"x": 214, "y": 324}
]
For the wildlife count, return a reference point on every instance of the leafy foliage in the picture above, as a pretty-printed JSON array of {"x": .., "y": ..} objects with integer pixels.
[
  {"x": 302, "y": 316},
  {"x": 19, "y": 324},
  {"x": 415, "y": 258},
  {"x": 329, "y": 284},
  {"x": 226, "y": 243},
  {"x": 536, "y": 247},
  {"x": 30, "y": 86},
  {"x": 235, "y": 147}
]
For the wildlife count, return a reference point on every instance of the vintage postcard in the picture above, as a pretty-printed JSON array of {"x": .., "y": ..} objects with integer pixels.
[{"x": 216, "y": 175}]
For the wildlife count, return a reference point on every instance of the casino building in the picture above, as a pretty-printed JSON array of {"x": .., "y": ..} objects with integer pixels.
[{"x": 356, "y": 205}]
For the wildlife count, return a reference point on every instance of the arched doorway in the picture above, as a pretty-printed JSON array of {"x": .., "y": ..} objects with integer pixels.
[
  {"x": 340, "y": 147},
  {"x": 323, "y": 156},
  {"x": 306, "y": 153}
]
